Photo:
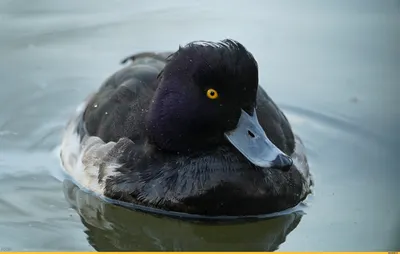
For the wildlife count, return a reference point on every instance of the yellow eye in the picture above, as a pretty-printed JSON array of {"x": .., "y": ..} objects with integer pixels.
[{"x": 212, "y": 94}]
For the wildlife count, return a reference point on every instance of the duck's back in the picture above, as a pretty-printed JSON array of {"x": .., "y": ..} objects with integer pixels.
[{"x": 120, "y": 105}]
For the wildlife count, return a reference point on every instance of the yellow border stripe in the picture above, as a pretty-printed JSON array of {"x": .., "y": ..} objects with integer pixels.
[{"x": 233, "y": 252}]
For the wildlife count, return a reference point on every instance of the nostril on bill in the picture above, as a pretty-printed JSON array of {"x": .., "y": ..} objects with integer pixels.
[{"x": 251, "y": 134}]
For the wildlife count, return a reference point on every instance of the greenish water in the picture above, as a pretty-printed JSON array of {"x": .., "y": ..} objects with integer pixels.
[{"x": 333, "y": 67}]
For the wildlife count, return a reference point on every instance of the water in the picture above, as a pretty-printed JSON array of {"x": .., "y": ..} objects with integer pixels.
[{"x": 333, "y": 67}]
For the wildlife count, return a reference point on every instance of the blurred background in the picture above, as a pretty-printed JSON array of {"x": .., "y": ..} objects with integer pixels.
[{"x": 332, "y": 66}]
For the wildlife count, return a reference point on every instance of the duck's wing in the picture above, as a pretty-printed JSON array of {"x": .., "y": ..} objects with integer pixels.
[
  {"x": 109, "y": 123},
  {"x": 274, "y": 122},
  {"x": 120, "y": 105},
  {"x": 279, "y": 131}
]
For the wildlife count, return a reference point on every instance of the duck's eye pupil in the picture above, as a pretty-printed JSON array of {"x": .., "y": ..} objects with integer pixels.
[{"x": 212, "y": 94}]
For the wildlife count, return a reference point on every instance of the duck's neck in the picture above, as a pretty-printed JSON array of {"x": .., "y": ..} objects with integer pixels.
[{"x": 170, "y": 137}]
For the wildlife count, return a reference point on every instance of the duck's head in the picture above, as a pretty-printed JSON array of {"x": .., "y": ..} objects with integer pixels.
[{"x": 206, "y": 97}]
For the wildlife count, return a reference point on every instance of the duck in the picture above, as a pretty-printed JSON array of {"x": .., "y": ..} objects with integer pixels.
[{"x": 188, "y": 131}]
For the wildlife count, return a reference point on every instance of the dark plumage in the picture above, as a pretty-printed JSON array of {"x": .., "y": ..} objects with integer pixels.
[{"x": 170, "y": 149}]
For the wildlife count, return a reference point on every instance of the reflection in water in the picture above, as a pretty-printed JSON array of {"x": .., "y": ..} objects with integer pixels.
[{"x": 113, "y": 228}]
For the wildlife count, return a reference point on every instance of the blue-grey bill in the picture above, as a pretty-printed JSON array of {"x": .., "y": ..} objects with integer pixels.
[{"x": 250, "y": 139}]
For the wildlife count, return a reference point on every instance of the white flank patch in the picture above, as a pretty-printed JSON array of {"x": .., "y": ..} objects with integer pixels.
[{"x": 81, "y": 160}]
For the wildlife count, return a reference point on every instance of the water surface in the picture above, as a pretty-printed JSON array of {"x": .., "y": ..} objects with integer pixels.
[{"x": 333, "y": 67}]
